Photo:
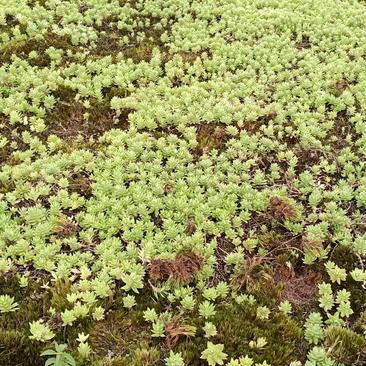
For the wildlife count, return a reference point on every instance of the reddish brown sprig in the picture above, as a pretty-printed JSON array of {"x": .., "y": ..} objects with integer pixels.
[
  {"x": 280, "y": 209},
  {"x": 182, "y": 269},
  {"x": 66, "y": 228},
  {"x": 191, "y": 227},
  {"x": 175, "y": 331}
]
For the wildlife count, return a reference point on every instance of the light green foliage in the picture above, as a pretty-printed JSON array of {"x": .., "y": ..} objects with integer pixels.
[
  {"x": 174, "y": 359},
  {"x": 133, "y": 281},
  {"x": 358, "y": 275},
  {"x": 158, "y": 328},
  {"x": 360, "y": 243},
  {"x": 242, "y": 361},
  {"x": 285, "y": 306},
  {"x": 344, "y": 303},
  {"x": 7, "y": 304},
  {"x": 335, "y": 273},
  {"x": 210, "y": 329},
  {"x": 188, "y": 302},
  {"x": 23, "y": 281},
  {"x": 98, "y": 313},
  {"x": 207, "y": 309},
  {"x": 326, "y": 300},
  {"x": 318, "y": 357},
  {"x": 263, "y": 312},
  {"x": 84, "y": 349},
  {"x": 150, "y": 315},
  {"x": 129, "y": 301},
  {"x": 258, "y": 343},
  {"x": 68, "y": 317},
  {"x": 40, "y": 332},
  {"x": 214, "y": 354},
  {"x": 314, "y": 332},
  {"x": 191, "y": 153}
]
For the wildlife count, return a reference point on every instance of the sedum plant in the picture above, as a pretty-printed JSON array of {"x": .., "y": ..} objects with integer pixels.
[
  {"x": 40, "y": 332},
  {"x": 7, "y": 304},
  {"x": 318, "y": 357},
  {"x": 285, "y": 307},
  {"x": 84, "y": 349},
  {"x": 174, "y": 359},
  {"x": 213, "y": 354},
  {"x": 196, "y": 153},
  {"x": 314, "y": 332},
  {"x": 335, "y": 273},
  {"x": 210, "y": 330},
  {"x": 207, "y": 309}
]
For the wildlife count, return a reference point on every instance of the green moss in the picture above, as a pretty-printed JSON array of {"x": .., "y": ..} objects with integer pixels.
[
  {"x": 345, "y": 345},
  {"x": 146, "y": 356},
  {"x": 141, "y": 52},
  {"x": 24, "y": 47},
  {"x": 360, "y": 323},
  {"x": 357, "y": 295},
  {"x": 58, "y": 295},
  {"x": 344, "y": 257},
  {"x": 237, "y": 325},
  {"x": 119, "y": 333},
  {"x": 16, "y": 349},
  {"x": 270, "y": 239},
  {"x": 33, "y": 302},
  {"x": 115, "y": 361},
  {"x": 124, "y": 337},
  {"x": 266, "y": 291},
  {"x": 210, "y": 136},
  {"x": 123, "y": 331},
  {"x": 257, "y": 279}
]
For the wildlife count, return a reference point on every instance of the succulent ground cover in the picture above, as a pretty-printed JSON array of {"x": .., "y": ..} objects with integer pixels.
[{"x": 182, "y": 182}]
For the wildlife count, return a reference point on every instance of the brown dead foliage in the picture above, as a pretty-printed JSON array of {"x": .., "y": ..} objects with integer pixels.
[
  {"x": 254, "y": 127},
  {"x": 181, "y": 269},
  {"x": 22, "y": 48},
  {"x": 68, "y": 121},
  {"x": 210, "y": 136},
  {"x": 251, "y": 272},
  {"x": 342, "y": 128},
  {"x": 157, "y": 220},
  {"x": 168, "y": 188},
  {"x": 341, "y": 84},
  {"x": 305, "y": 43},
  {"x": 69, "y": 118},
  {"x": 14, "y": 136},
  {"x": 272, "y": 114},
  {"x": 300, "y": 289},
  {"x": 81, "y": 184},
  {"x": 191, "y": 227},
  {"x": 279, "y": 209},
  {"x": 66, "y": 228},
  {"x": 175, "y": 331},
  {"x": 223, "y": 248},
  {"x": 306, "y": 158}
]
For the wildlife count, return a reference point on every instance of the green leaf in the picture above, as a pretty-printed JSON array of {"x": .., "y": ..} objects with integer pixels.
[
  {"x": 69, "y": 359},
  {"x": 50, "y": 361},
  {"x": 49, "y": 352}
]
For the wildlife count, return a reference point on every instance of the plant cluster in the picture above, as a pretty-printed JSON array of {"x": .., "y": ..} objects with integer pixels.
[{"x": 182, "y": 182}]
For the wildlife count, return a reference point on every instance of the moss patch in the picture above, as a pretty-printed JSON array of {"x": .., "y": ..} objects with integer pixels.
[{"x": 237, "y": 325}]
